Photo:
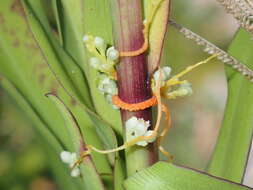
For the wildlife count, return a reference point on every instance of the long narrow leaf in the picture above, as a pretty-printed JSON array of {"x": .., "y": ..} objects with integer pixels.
[
  {"x": 32, "y": 76},
  {"x": 93, "y": 180},
  {"x": 25, "y": 105},
  {"x": 60, "y": 62},
  {"x": 231, "y": 152},
  {"x": 104, "y": 131},
  {"x": 25, "y": 71}
]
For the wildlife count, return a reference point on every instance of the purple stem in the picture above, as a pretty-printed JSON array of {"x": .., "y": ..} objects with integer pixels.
[{"x": 132, "y": 72}]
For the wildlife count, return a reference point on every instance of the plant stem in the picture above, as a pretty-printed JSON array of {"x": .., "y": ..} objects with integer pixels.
[{"x": 133, "y": 79}]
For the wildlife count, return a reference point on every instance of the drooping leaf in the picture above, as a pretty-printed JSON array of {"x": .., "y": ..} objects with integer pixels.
[
  {"x": 93, "y": 180},
  {"x": 71, "y": 124},
  {"x": 231, "y": 153},
  {"x": 27, "y": 107},
  {"x": 51, "y": 141},
  {"x": 165, "y": 176},
  {"x": 64, "y": 67},
  {"x": 24, "y": 64},
  {"x": 104, "y": 131}
]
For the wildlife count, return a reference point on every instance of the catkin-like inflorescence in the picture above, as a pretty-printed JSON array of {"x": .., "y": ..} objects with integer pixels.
[
  {"x": 242, "y": 12},
  {"x": 212, "y": 49}
]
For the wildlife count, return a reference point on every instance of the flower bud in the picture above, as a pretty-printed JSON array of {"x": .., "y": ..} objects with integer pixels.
[
  {"x": 94, "y": 62},
  {"x": 165, "y": 75},
  {"x": 86, "y": 38},
  {"x": 66, "y": 157},
  {"x": 112, "y": 54},
  {"x": 100, "y": 44},
  {"x": 75, "y": 172},
  {"x": 107, "y": 86}
]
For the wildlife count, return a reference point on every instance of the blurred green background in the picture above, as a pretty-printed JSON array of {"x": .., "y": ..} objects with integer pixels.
[{"x": 24, "y": 164}]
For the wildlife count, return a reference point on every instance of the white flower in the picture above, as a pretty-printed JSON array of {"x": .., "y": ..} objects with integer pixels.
[
  {"x": 165, "y": 75},
  {"x": 70, "y": 158},
  {"x": 66, "y": 157},
  {"x": 185, "y": 89},
  {"x": 167, "y": 71},
  {"x": 100, "y": 44},
  {"x": 107, "y": 86},
  {"x": 112, "y": 54},
  {"x": 94, "y": 62},
  {"x": 75, "y": 172},
  {"x": 138, "y": 127},
  {"x": 73, "y": 158},
  {"x": 106, "y": 67},
  {"x": 149, "y": 133},
  {"x": 86, "y": 38}
]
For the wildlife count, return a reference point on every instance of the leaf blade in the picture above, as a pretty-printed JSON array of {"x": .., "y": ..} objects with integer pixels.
[
  {"x": 165, "y": 176},
  {"x": 231, "y": 153},
  {"x": 93, "y": 180}
]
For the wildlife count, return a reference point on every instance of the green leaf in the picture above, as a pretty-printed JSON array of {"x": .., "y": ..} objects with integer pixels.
[
  {"x": 26, "y": 106},
  {"x": 24, "y": 70},
  {"x": 53, "y": 144},
  {"x": 97, "y": 22},
  {"x": 165, "y": 176},
  {"x": 71, "y": 124},
  {"x": 93, "y": 180},
  {"x": 119, "y": 174},
  {"x": 72, "y": 30},
  {"x": 232, "y": 148},
  {"x": 57, "y": 14},
  {"x": 61, "y": 172},
  {"x": 69, "y": 73},
  {"x": 33, "y": 78},
  {"x": 104, "y": 131}
]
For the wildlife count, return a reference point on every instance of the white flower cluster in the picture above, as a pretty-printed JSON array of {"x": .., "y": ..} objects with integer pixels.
[
  {"x": 181, "y": 90},
  {"x": 184, "y": 89},
  {"x": 104, "y": 59},
  {"x": 70, "y": 158},
  {"x": 165, "y": 75},
  {"x": 108, "y": 88},
  {"x": 138, "y": 127}
]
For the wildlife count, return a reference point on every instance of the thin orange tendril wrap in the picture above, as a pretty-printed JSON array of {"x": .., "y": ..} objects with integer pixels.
[
  {"x": 133, "y": 53},
  {"x": 134, "y": 107}
]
